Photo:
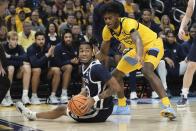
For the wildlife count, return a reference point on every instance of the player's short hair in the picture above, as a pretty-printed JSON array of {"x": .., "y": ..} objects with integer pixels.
[
  {"x": 87, "y": 43},
  {"x": 110, "y": 7},
  {"x": 65, "y": 32},
  {"x": 11, "y": 34},
  {"x": 38, "y": 33}
]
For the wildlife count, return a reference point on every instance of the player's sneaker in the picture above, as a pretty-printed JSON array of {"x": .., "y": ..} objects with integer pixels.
[
  {"x": 9, "y": 100},
  {"x": 25, "y": 100},
  {"x": 121, "y": 110},
  {"x": 168, "y": 112},
  {"x": 133, "y": 96},
  {"x": 182, "y": 102},
  {"x": 53, "y": 100},
  {"x": 64, "y": 99},
  {"x": 30, "y": 115},
  {"x": 35, "y": 100},
  {"x": 5, "y": 103},
  {"x": 154, "y": 95}
]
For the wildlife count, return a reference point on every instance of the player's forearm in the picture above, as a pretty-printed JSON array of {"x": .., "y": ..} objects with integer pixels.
[
  {"x": 107, "y": 93},
  {"x": 185, "y": 21},
  {"x": 139, "y": 47}
]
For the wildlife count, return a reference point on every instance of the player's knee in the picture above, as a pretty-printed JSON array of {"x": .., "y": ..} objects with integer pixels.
[
  {"x": 56, "y": 71},
  {"x": 148, "y": 73},
  {"x": 67, "y": 68},
  {"x": 27, "y": 69},
  {"x": 117, "y": 74},
  {"x": 11, "y": 69},
  {"x": 36, "y": 71}
]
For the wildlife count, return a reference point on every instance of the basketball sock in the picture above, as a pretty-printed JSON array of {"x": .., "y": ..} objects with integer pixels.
[
  {"x": 122, "y": 101},
  {"x": 52, "y": 94},
  {"x": 8, "y": 93},
  {"x": 185, "y": 92},
  {"x": 25, "y": 93},
  {"x": 34, "y": 94},
  {"x": 64, "y": 92},
  {"x": 165, "y": 101}
]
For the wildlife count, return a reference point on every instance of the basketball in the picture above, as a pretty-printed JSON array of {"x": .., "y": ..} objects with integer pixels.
[{"x": 75, "y": 103}]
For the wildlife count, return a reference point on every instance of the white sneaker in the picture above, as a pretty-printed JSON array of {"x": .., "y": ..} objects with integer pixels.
[
  {"x": 35, "y": 100},
  {"x": 64, "y": 99},
  {"x": 154, "y": 95},
  {"x": 5, "y": 103},
  {"x": 53, "y": 100},
  {"x": 9, "y": 100},
  {"x": 30, "y": 115},
  {"x": 25, "y": 100},
  {"x": 133, "y": 96}
]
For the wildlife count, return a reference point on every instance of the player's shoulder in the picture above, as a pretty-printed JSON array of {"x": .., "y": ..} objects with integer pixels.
[{"x": 125, "y": 21}]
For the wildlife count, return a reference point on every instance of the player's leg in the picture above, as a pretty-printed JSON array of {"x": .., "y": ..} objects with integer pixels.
[
  {"x": 31, "y": 115},
  {"x": 67, "y": 70},
  {"x": 7, "y": 101},
  {"x": 24, "y": 73},
  {"x": 35, "y": 81},
  {"x": 154, "y": 53},
  {"x": 4, "y": 87},
  {"x": 54, "y": 73},
  {"x": 187, "y": 81},
  {"x": 126, "y": 65}
]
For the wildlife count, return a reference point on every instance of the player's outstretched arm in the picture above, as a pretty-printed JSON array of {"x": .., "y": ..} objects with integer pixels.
[
  {"x": 114, "y": 87},
  {"x": 105, "y": 46}
]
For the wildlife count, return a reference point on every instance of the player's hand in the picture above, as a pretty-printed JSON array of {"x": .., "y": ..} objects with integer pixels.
[
  {"x": 99, "y": 56},
  {"x": 2, "y": 71},
  {"x": 139, "y": 59},
  {"x": 88, "y": 104},
  {"x": 170, "y": 62},
  {"x": 75, "y": 60},
  {"x": 181, "y": 33}
]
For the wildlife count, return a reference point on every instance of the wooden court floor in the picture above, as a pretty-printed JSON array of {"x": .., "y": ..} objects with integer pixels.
[{"x": 144, "y": 117}]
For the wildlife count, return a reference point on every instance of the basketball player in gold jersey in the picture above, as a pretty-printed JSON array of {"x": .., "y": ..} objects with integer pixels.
[{"x": 145, "y": 50}]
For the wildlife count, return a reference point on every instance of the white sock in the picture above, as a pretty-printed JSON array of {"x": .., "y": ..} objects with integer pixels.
[
  {"x": 162, "y": 71},
  {"x": 34, "y": 94},
  {"x": 185, "y": 92},
  {"x": 64, "y": 92},
  {"x": 53, "y": 94},
  {"x": 25, "y": 93},
  {"x": 8, "y": 93}
]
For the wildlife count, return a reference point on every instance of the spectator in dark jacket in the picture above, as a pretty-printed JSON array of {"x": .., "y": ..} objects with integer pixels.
[
  {"x": 174, "y": 63},
  {"x": 66, "y": 58},
  {"x": 17, "y": 64},
  {"x": 5, "y": 83},
  {"x": 39, "y": 54}
]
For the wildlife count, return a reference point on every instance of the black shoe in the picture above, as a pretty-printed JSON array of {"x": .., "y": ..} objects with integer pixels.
[{"x": 182, "y": 102}]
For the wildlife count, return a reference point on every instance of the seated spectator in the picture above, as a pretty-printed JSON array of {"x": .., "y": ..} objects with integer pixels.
[
  {"x": 174, "y": 63},
  {"x": 66, "y": 58},
  {"x": 39, "y": 55},
  {"x": 27, "y": 36},
  {"x": 71, "y": 20},
  {"x": 165, "y": 23},
  {"x": 80, "y": 18},
  {"x": 17, "y": 66},
  {"x": 69, "y": 6},
  {"x": 78, "y": 37},
  {"x": 21, "y": 6},
  {"x": 148, "y": 21},
  {"x": 3, "y": 34},
  {"x": 37, "y": 24},
  {"x": 52, "y": 37},
  {"x": 128, "y": 6},
  {"x": 20, "y": 18},
  {"x": 12, "y": 12},
  {"x": 11, "y": 24}
]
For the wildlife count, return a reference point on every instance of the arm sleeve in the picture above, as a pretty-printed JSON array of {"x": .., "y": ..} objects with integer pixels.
[{"x": 100, "y": 73}]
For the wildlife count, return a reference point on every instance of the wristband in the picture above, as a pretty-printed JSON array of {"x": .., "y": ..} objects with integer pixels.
[{"x": 96, "y": 98}]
